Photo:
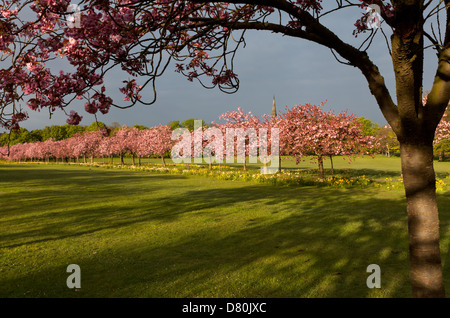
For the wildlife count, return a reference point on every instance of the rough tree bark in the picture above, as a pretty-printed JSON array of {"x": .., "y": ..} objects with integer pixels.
[
  {"x": 332, "y": 167},
  {"x": 423, "y": 219},
  {"x": 321, "y": 171},
  {"x": 415, "y": 134}
]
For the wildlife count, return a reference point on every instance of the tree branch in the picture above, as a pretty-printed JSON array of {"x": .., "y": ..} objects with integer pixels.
[
  {"x": 439, "y": 96},
  {"x": 315, "y": 32}
]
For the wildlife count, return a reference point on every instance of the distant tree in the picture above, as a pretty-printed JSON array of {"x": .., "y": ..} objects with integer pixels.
[
  {"x": 174, "y": 124},
  {"x": 368, "y": 127},
  {"x": 26, "y": 136},
  {"x": 96, "y": 125},
  {"x": 441, "y": 142},
  {"x": 107, "y": 148},
  {"x": 442, "y": 148},
  {"x": 87, "y": 144},
  {"x": 140, "y": 127},
  {"x": 17, "y": 136},
  {"x": 55, "y": 132},
  {"x": 114, "y": 127},
  {"x": 3, "y": 139},
  {"x": 442, "y": 138},
  {"x": 245, "y": 126},
  {"x": 388, "y": 140},
  {"x": 189, "y": 123},
  {"x": 125, "y": 141},
  {"x": 155, "y": 141},
  {"x": 309, "y": 130},
  {"x": 72, "y": 130}
]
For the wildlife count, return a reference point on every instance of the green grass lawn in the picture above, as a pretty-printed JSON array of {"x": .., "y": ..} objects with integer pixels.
[{"x": 138, "y": 234}]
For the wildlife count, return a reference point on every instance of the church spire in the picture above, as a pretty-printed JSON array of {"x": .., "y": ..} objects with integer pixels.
[{"x": 274, "y": 108}]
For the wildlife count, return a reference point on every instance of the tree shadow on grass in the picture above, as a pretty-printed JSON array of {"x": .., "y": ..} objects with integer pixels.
[
  {"x": 239, "y": 240},
  {"x": 307, "y": 251},
  {"x": 297, "y": 255},
  {"x": 74, "y": 175}
]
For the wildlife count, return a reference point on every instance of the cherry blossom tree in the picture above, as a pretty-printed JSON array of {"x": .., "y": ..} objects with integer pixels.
[
  {"x": 269, "y": 123},
  {"x": 143, "y": 144},
  {"x": 161, "y": 141},
  {"x": 17, "y": 152},
  {"x": 124, "y": 142},
  {"x": 47, "y": 149},
  {"x": 346, "y": 137},
  {"x": 202, "y": 38},
  {"x": 309, "y": 130},
  {"x": 442, "y": 138},
  {"x": 240, "y": 133},
  {"x": 31, "y": 152},
  {"x": 387, "y": 139},
  {"x": 107, "y": 149},
  {"x": 155, "y": 141},
  {"x": 4, "y": 151},
  {"x": 207, "y": 143},
  {"x": 213, "y": 145},
  {"x": 61, "y": 149},
  {"x": 131, "y": 142}
]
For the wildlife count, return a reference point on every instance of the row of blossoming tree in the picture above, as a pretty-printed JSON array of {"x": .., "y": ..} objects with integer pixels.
[
  {"x": 90, "y": 144},
  {"x": 304, "y": 130}
]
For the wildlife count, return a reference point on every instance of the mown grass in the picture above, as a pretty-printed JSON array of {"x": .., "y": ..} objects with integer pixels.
[{"x": 138, "y": 234}]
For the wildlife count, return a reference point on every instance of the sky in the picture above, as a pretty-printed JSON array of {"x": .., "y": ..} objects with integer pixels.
[{"x": 293, "y": 70}]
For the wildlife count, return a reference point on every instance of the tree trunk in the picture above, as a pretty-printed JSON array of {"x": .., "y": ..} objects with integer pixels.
[
  {"x": 332, "y": 168},
  {"x": 139, "y": 161},
  {"x": 320, "y": 160},
  {"x": 441, "y": 155},
  {"x": 423, "y": 220},
  {"x": 121, "y": 159},
  {"x": 163, "y": 161},
  {"x": 279, "y": 163},
  {"x": 134, "y": 161}
]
